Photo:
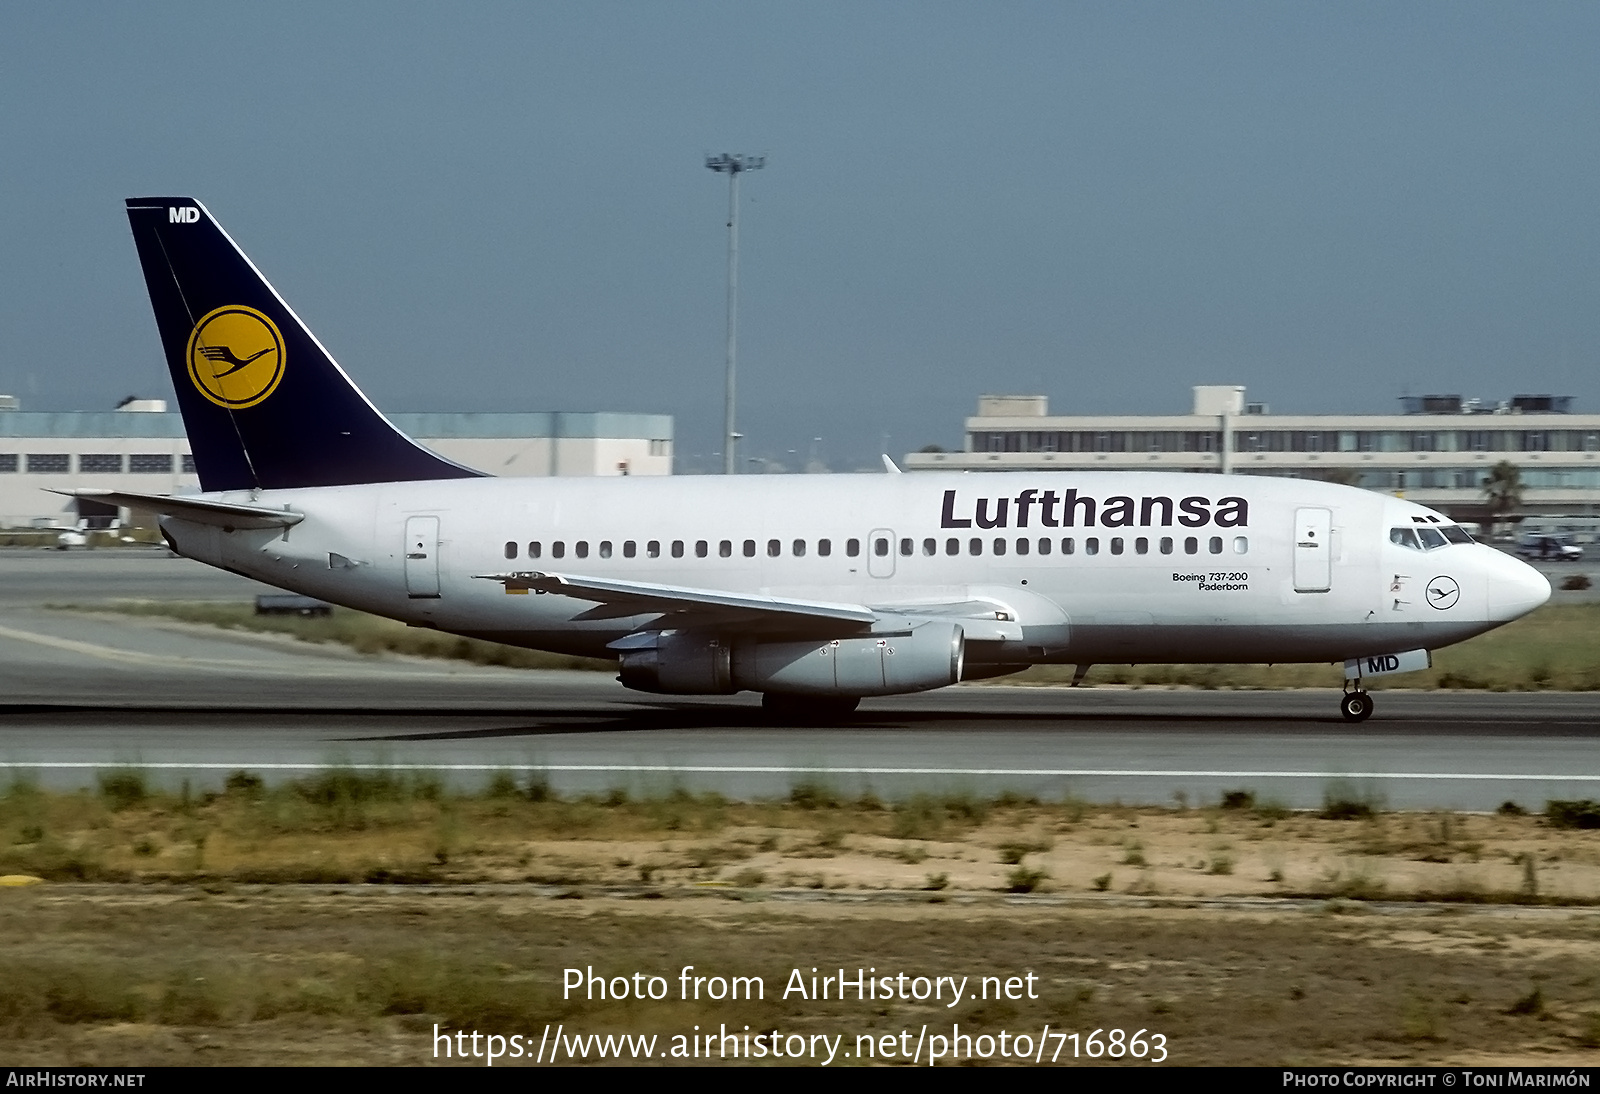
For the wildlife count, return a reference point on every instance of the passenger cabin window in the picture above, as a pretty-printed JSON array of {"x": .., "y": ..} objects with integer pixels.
[
  {"x": 630, "y": 548},
  {"x": 749, "y": 548},
  {"x": 999, "y": 546},
  {"x": 905, "y": 547},
  {"x": 824, "y": 547},
  {"x": 930, "y": 547},
  {"x": 677, "y": 548},
  {"x": 701, "y": 548},
  {"x": 1044, "y": 546},
  {"x": 558, "y": 549},
  {"x": 605, "y": 548},
  {"x": 1166, "y": 545},
  {"x": 533, "y": 549},
  {"x": 653, "y": 549},
  {"x": 725, "y": 548},
  {"x": 952, "y": 546},
  {"x": 1241, "y": 544},
  {"x": 581, "y": 548},
  {"x": 799, "y": 548},
  {"x": 1141, "y": 546},
  {"x": 1191, "y": 545},
  {"x": 1022, "y": 546},
  {"x": 511, "y": 549},
  {"x": 1116, "y": 545},
  {"x": 774, "y": 548},
  {"x": 880, "y": 547},
  {"x": 1091, "y": 545},
  {"x": 852, "y": 547},
  {"x": 975, "y": 547},
  {"x": 1068, "y": 545},
  {"x": 1216, "y": 545}
]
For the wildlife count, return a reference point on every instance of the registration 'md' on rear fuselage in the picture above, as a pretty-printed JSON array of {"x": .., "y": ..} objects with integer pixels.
[{"x": 824, "y": 588}]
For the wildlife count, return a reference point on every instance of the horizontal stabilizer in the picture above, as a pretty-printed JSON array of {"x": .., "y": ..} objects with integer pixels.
[{"x": 226, "y": 514}]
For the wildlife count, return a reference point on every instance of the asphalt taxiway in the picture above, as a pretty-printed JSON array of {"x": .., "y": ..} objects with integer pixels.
[{"x": 82, "y": 692}]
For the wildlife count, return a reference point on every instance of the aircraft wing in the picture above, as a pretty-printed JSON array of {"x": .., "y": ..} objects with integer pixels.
[
  {"x": 982, "y": 619},
  {"x": 697, "y": 607},
  {"x": 227, "y": 514}
]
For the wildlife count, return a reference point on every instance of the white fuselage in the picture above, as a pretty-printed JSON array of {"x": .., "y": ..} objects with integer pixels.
[{"x": 1080, "y": 567}]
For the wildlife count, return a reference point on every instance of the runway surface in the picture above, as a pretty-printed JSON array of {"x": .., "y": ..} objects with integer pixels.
[{"x": 81, "y": 693}]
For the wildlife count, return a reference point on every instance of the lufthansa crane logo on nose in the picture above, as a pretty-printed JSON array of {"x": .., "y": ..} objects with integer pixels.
[
  {"x": 1443, "y": 592},
  {"x": 235, "y": 356}
]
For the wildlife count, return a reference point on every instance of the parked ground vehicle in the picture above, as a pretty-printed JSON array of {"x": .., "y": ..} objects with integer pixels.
[{"x": 1551, "y": 548}]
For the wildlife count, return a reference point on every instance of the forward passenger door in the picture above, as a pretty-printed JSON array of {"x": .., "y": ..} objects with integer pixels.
[{"x": 1313, "y": 550}]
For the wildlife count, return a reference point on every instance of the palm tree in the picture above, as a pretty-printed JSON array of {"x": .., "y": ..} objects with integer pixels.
[{"x": 1502, "y": 486}]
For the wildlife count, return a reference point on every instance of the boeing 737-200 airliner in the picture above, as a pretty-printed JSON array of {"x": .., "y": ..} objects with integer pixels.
[{"x": 813, "y": 590}]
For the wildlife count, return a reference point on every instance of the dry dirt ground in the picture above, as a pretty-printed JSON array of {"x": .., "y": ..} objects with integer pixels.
[{"x": 1241, "y": 937}]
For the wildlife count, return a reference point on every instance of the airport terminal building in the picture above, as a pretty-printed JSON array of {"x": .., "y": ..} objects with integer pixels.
[
  {"x": 1436, "y": 451},
  {"x": 142, "y": 447}
]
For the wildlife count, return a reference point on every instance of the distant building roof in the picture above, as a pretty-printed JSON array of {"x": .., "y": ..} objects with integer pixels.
[{"x": 112, "y": 423}]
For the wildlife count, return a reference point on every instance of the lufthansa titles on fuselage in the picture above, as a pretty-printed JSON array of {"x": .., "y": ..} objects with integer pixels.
[{"x": 1070, "y": 509}]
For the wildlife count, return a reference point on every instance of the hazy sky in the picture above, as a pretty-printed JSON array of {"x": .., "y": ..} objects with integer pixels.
[{"x": 485, "y": 206}]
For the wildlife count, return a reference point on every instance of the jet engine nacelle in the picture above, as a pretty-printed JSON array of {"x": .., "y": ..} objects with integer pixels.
[{"x": 926, "y": 656}]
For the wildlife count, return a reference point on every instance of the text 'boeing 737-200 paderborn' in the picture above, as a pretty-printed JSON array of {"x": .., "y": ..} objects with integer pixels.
[{"x": 813, "y": 590}]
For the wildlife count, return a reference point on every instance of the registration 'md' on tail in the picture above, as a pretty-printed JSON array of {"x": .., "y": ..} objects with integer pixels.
[{"x": 265, "y": 406}]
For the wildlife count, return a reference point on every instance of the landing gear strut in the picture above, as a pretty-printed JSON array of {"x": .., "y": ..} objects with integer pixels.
[{"x": 1356, "y": 705}]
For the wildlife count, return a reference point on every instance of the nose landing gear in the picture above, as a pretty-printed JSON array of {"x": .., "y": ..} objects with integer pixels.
[{"x": 1356, "y": 705}]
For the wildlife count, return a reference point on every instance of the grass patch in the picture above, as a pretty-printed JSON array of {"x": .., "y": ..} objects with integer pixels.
[{"x": 353, "y": 826}]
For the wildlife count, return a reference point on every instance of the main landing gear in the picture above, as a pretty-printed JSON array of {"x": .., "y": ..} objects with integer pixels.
[{"x": 1355, "y": 705}]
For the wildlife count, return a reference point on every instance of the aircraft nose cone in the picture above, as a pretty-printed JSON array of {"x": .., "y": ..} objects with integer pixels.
[{"x": 1515, "y": 588}]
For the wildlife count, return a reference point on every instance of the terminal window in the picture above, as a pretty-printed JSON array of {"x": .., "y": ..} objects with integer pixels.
[
  {"x": 48, "y": 463},
  {"x": 150, "y": 463},
  {"x": 8, "y": 461},
  {"x": 100, "y": 463}
]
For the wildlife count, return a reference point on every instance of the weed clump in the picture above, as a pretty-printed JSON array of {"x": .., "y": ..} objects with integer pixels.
[
  {"x": 1530, "y": 1005},
  {"x": 925, "y": 816},
  {"x": 1012, "y": 853},
  {"x": 1025, "y": 879},
  {"x": 123, "y": 789},
  {"x": 245, "y": 784},
  {"x": 811, "y": 794},
  {"x": 1573, "y": 814},
  {"x": 1341, "y": 801}
]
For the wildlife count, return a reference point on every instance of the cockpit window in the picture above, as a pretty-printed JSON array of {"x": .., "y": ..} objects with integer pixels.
[{"x": 1429, "y": 537}]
